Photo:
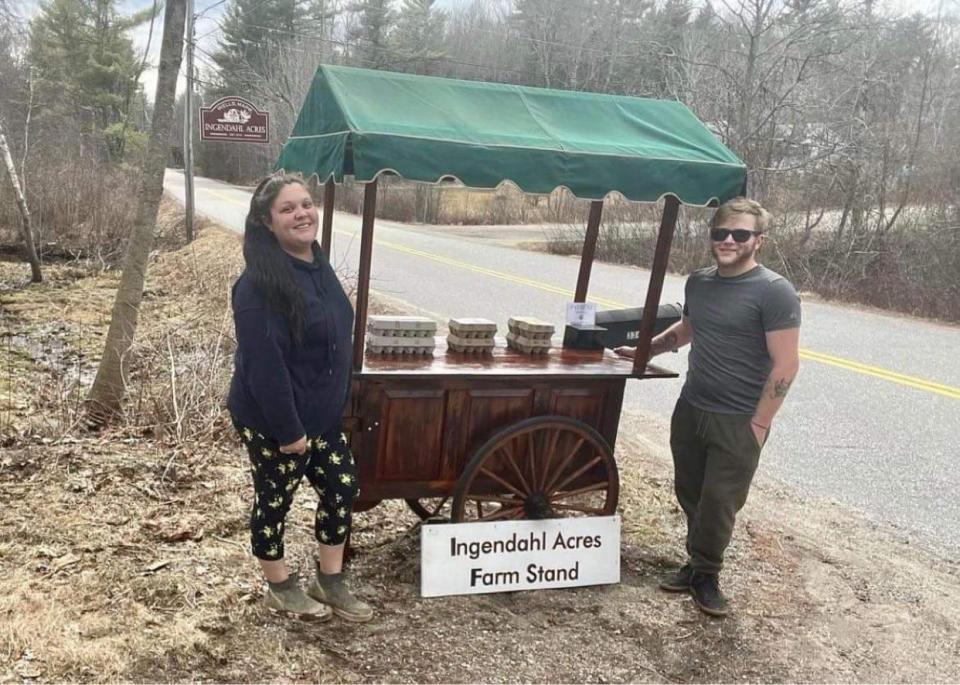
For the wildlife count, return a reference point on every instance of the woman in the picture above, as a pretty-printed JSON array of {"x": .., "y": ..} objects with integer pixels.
[{"x": 289, "y": 388}]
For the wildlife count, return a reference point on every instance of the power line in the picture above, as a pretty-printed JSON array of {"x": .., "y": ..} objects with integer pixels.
[{"x": 207, "y": 9}]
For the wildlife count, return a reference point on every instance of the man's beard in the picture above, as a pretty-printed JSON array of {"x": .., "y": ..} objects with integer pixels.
[{"x": 742, "y": 258}]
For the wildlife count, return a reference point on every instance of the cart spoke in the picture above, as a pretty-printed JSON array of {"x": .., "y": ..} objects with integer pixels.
[
  {"x": 580, "y": 491},
  {"x": 512, "y": 501},
  {"x": 532, "y": 457},
  {"x": 574, "y": 507},
  {"x": 547, "y": 456},
  {"x": 437, "y": 505},
  {"x": 503, "y": 513},
  {"x": 583, "y": 469},
  {"x": 508, "y": 453},
  {"x": 564, "y": 463},
  {"x": 508, "y": 486}
]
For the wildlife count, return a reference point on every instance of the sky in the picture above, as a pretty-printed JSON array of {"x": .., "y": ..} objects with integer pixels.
[{"x": 207, "y": 24}]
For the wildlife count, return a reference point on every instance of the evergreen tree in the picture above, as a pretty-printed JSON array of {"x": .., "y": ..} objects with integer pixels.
[
  {"x": 84, "y": 61},
  {"x": 418, "y": 40},
  {"x": 371, "y": 34},
  {"x": 251, "y": 31}
]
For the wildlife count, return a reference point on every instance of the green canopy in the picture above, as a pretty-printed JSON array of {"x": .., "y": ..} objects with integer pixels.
[{"x": 364, "y": 123}]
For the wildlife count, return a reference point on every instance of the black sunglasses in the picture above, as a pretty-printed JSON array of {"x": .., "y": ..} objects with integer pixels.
[{"x": 740, "y": 235}]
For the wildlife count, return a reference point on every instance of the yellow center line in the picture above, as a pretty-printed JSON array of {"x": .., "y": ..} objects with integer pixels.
[
  {"x": 810, "y": 355},
  {"x": 224, "y": 196},
  {"x": 903, "y": 379}
]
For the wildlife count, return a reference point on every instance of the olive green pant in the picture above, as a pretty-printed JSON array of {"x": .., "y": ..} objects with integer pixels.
[{"x": 714, "y": 459}]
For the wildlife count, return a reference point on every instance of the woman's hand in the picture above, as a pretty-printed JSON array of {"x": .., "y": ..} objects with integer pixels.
[
  {"x": 298, "y": 447},
  {"x": 628, "y": 352}
]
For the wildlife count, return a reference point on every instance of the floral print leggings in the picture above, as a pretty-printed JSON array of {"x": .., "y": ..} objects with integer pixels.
[{"x": 327, "y": 464}]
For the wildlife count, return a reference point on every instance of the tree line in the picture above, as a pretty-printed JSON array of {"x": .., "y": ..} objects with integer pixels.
[{"x": 845, "y": 114}]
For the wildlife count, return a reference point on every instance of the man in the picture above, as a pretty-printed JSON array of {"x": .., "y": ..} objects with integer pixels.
[{"x": 743, "y": 323}]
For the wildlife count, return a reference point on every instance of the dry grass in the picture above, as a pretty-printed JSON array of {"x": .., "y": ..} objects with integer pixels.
[{"x": 123, "y": 556}]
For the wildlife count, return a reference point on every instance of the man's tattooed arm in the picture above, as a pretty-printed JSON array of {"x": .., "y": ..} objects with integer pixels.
[
  {"x": 781, "y": 388},
  {"x": 664, "y": 343},
  {"x": 783, "y": 347},
  {"x": 673, "y": 338}
]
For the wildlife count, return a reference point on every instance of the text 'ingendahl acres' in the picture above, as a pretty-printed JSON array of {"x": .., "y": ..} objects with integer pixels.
[{"x": 534, "y": 542}]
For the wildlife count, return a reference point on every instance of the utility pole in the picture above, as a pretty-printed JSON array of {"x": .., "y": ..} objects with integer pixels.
[{"x": 188, "y": 126}]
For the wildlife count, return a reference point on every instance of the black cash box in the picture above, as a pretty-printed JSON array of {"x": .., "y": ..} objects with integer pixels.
[{"x": 616, "y": 327}]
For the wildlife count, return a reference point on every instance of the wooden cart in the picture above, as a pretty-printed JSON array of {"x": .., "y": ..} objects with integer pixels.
[{"x": 507, "y": 436}]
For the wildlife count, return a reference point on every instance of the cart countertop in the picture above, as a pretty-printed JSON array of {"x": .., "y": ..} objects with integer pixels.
[{"x": 504, "y": 361}]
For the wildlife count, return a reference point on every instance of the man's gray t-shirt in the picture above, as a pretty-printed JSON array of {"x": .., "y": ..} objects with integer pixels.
[{"x": 729, "y": 317}]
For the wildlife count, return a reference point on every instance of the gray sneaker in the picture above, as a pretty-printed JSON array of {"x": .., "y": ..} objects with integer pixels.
[
  {"x": 330, "y": 589},
  {"x": 289, "y": 598}
]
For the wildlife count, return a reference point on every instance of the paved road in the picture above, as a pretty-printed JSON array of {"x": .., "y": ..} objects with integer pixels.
[{"x": 870, "y": 422}]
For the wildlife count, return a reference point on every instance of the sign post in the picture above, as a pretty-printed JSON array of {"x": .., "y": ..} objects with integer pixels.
[
  {"x": 188, "y": 126},
  {"x": 505, "y": 556}
]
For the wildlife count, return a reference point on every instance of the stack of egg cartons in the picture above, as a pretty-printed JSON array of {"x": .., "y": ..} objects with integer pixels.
[
  {"x": 400, "y": 335},
  {"x": 471, "y": 335},
  {"x": 529, "y": 335}
]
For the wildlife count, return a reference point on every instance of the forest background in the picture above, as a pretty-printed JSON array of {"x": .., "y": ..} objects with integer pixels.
[{"x": 846, "y": 112}]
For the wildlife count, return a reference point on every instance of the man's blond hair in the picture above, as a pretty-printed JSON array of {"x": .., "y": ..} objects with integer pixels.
[{"x": 741, "y": 205}]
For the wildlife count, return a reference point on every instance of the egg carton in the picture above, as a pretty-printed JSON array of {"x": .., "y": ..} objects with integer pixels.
[
  {"x": 402, "y": 326},
  {"x": 394, "y": 333},
  {"x": 470, "y": 345},
  {"x": 530, "y": 328},
  {"x": 472, "y": 328},
  {"x": 392, "y": 344},
  {"x": 529, "y": 345},
  {"x": 404, "y": 350}
]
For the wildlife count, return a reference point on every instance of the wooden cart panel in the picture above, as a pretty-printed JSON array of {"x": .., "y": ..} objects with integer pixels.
[{"x": 422, "y": 419}]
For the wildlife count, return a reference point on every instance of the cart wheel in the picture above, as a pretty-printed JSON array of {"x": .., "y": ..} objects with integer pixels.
[
  {"x": 429, "y": 507},
  {"x": 543, "y": 467}
]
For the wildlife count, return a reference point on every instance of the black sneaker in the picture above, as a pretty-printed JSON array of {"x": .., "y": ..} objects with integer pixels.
[
  {"x": 679, "y": 581},
  {"x": 705, "y": 588}
]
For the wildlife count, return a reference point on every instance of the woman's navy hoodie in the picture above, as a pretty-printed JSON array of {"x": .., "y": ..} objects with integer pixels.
[{"x": 281, "y": 389}]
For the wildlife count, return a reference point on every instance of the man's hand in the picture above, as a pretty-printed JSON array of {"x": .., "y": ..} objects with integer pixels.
[
  {"x": 625, "y": 351},
  {"x": 298, "y": 447},
  {"x": 759, "y": 432}
]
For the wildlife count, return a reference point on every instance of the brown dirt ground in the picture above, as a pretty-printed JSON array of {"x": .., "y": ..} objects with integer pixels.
[{"x": 123, "y": 556}]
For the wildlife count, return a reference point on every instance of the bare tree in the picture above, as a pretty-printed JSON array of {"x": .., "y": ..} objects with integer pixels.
[
  {"x": 108, "y": 389},
  {"x": 25, "y": 225}
]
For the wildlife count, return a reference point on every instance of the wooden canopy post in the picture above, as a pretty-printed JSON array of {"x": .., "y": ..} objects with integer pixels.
[
  {"x": 328, "y": 194},
  {"x": 589, "y": 249},
  {"x": 363, "y": 279},
  {"x": 661, "y": 257}
]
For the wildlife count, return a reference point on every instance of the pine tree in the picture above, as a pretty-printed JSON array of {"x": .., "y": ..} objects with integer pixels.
[
  {"x": 251, "y": 30},
  {"x": 84, "y": 61},
  {"x": 419, "y": 37},
  {"x": 371, "y": 35}
]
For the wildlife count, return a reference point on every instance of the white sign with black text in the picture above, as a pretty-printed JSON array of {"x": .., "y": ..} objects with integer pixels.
[
  {"x": 505, "y": 556},
  {"x": 582, "y": 313}
]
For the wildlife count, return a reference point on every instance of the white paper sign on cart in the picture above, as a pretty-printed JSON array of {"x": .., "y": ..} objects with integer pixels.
[
  {"x": 582, "y": 313},
  {"x": 506, "y": 556}
]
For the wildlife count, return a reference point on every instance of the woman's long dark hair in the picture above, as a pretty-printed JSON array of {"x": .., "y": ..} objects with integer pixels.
[{"x": 267, "y": 264}]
